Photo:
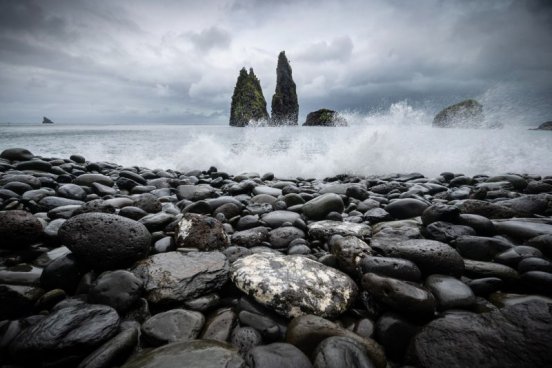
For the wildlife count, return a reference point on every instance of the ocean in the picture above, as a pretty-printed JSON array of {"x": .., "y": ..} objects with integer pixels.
[{"x": 369, "y": 146}]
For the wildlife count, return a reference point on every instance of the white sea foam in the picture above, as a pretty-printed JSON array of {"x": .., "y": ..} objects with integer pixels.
[{"x": 398, "y": 139}]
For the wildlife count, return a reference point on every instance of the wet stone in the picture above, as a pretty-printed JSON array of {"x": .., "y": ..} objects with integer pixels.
[
  {"x": 397, "y": 268},
  {"x": 119, "y": 289},
  {"x": 201, "y": 232},
  {"x": 450, "y": 292},
  {"x": 327, "y": 228},
  {"x": 294, "y": 285},
  {"x": 277, "y": 355},
  {"x": 176, "y": 277},
  {"x": 18, "y": 229},
  {"x": 172, "y": 326},
  {"x": 341, "y": 352}
]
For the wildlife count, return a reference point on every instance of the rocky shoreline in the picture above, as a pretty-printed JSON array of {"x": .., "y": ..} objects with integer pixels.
[{"x": 104, "y": 266}]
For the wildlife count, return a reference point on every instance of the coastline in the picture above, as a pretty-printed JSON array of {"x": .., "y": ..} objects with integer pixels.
[{"x": 277, "y": 270}]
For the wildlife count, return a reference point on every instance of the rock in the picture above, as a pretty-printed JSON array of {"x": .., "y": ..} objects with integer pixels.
[
  {"x": 269, "y": 328},
  {"x": 245, "y": 338},
  {"x": 401, "y": 296},
  {"x": 276, "y": 219},
  {"x": 394, "y": 333},
  {"x": 78, "y": 159},
  {"x": 148, "y": 202},
  {"x": 89, "y": 179},
  {"x": 406, "y": 208},
  {"x": 248, "y": 103},
  {"x": 282, "y": 236},
  {"x": 115, "y": 351},
  {"x": 482, "y": 225},
  {"x": 446, "y": 232},
  {"x": 547, "y": 125},
  {"x": 18, "y": 300},
  {"x": 480, "y": 248},
  {"x": 397, "y": 268},
  {"x": 465, "y": 114},
  {"x": 392, "y": 232},
  {"x": 542, "y": 243},
  {"x": 349, "y": 251},
  {"x": 375, "y": 215},
  {"x": 277, "y": 355},
  {"x": 18, "y": 229},
  {"x": 450, "y": 292},
  {"x": 307, "y": 332},
  {"x": 478, "y": 269},
  {"x": 219, "y": 325},
  {"x": 514, "y": 336},
  {"x": 105, "y": 241},
  {"x": 325, "y": 118},
  {"x": 201, "y": 232},
  {"x": 440, "y": 212},
  {"x": 52, "y": 202},
  {"x": 294, "y": 285},
  {"x": 522, "y": 228},
  {"x": 485, "y": 286},
  {"x": 285, "y": 108},
  {"x": 119, "y": 289},
  {"x": 486, "y": 209},
  {"x": 67, "y": 335},
  {"x": 156, "y": 221},
  {"x": 328, "y": 228},
  {"x": 429, "y": 255},
  {"x": 195, "y": 193},
  {"x": 172, "y": 326},
  {"x": 62, "y": 273},
  {"x": 45, "y": 120},
  {"x": 176, "y": 277},
  {"x": 16, "y": 154},
  {"x": 36, "y": 165},
  {"x": 318, "y": 208},
  {"x": 189, "y": 354},
  {"x": 341, "y": 352},
  {"x": 525, "y": 206},
  {"x": 251, "y": 237}
]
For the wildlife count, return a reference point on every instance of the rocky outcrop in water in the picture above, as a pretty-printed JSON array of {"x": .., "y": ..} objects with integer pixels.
[
  {"x": 325, "y": 118},
  {"x": 545, "y": 126},
  {"x": 465, "y": 114},
  {"x": 248, "y": 103},
  {"x": 285, "y": 108},
  {"x": 45, "y": 120},
  {"x": 222, "y": 270}
]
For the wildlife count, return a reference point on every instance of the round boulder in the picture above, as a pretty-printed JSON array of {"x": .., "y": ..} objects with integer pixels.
[
  {"x": 105, "y": 241},
  {"x": 18, "y": 229}
]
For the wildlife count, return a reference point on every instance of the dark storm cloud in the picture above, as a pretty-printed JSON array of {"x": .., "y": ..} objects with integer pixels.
[{"x": 172, "y": 60}]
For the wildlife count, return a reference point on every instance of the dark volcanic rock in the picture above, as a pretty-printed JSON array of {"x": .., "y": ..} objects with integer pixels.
[
  {"x": 16, "y": 154},
  {"x": 192, "y": 354},
  {"x": 406, "y": 208},
  {"x": 318, "y": 208},
  {"x": 294, "y": 285},
  {"x": 176, "y": 277},
  {"x": 172, "y": 326},
  {"x": 66, "y": 335},
  {"x": 105, "y": 241},
  {"x": 307, "y": 332},
  {"x": 119, "y": 289},
  {"x": 285, "y": 108},
  {"x": 248, "y": 102},
  {"x": 201, "y": 232},
  {"x": 341, "y": 352},
  {"x": 18, "y": 229},
  {"x": 547, "y": 125},
  {"x": 115, "y": 351},
  {"x": 515, "y": 336},
  {"x": 277, "y": 355},
  {"x": 17, "y": 300},
  {"x": 430, "y": 255},
  {"x": 468, "y": 113},
  {"x": 246, "y": 338},
  {"x": 450, "y": 292},
  {"x": 401, "y": 296},
  {"x": 397, "y": 268},
  {"x": 326, "y": 118}
]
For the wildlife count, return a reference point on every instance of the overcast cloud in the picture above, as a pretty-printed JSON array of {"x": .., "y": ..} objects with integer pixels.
[{"x": 177, "y": 61}]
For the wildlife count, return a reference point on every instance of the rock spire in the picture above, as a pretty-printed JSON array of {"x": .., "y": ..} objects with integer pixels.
[
  {"x": 248, "y": 102},
  {"x": 285, "y": 108}
]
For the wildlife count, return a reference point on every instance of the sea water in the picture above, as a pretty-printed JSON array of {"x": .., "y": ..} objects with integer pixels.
[{"x": 387, "y": 143}]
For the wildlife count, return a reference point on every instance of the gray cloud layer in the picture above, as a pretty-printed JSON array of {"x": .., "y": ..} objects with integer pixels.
[{"x": 177, "y": 61}]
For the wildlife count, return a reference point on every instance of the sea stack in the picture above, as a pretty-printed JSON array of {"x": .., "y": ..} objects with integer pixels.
[
  {"x": 465, "y": 114},
  {"x": 285, "y": 108},
  {"x": 45, "y": 120},
  {"x": 325, "y": 118},
  {"x": 248, "y": 102}
]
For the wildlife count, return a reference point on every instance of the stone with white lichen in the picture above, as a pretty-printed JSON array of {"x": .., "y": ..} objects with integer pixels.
[{"x": 294, "y": 285}]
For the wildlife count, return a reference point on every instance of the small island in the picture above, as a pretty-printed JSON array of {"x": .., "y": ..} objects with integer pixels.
[{"x": 45, "y": 120}]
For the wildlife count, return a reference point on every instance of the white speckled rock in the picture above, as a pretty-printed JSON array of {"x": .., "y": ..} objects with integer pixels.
[
  {"x": 327, "y": 228},
  {"x": 294, "y": 285}
]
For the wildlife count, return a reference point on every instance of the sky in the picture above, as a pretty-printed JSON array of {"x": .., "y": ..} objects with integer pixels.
[{"x": 170, "y": 61}]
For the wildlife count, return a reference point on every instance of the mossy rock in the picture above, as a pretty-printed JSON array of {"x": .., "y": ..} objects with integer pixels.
[
  {"x": 465, "y": 114},
  {"x": 326, "y": 118},
  {"x": 248, "y": 102}
]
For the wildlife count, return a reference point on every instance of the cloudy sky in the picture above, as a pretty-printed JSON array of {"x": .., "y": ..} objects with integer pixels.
[{"x": 177, "y": 61}]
